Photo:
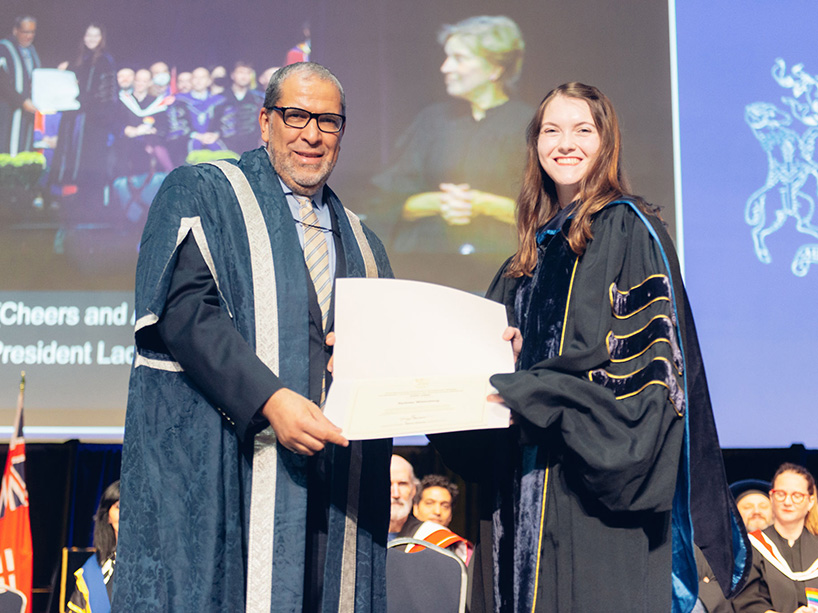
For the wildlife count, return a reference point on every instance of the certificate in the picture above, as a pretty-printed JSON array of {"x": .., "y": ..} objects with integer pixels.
[
  {"x": 54, "y": 90},
  {"x": 415, "y": 358}
]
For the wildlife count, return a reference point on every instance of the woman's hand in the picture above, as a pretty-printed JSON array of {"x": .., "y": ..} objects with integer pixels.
[
  {"x": 500, "y": 208},
  {"x": 456, "y": 207},
  {"x": 515, "y": 336},
  {"x": 499, "y": 399},
  {"x": 422, "y": 205}
]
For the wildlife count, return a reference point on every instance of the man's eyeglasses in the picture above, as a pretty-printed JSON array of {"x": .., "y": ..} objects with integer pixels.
[
  {"x": 781, "y": 496},
  {"x": 331, "y": 123}
]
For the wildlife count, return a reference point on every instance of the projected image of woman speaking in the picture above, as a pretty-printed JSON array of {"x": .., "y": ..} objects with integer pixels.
[{"x": 453, "y": 183}]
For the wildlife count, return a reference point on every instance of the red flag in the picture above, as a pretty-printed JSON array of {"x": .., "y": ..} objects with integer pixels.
[{"x": 16, "y": 566}]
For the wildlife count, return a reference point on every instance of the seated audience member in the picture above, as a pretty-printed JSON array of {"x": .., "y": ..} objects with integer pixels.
[
  {"x": 433, "y": 506},
  {"x": 301, "y": 52},
  {"x": 785, "y": 555},
  {"x": 403, "y": 523},
  {"x": 139, "y": 124},
  {"x": 264, "y": 78},
  {"x": 753, "y": 502},
  {"x": 95, "y": 578},
  {"x": 218, "y": 79},
  {"x": 403, "y": 488},
  {"x": 242, "y": 103},
  {"x": 160, "y": 77},
  {"x": 435, "y": 500},
  {"x": 711, "y": 597},
  {"x": 196, "y": 118},
  {"x": 184, "y": 83},
  {"x": 124, "y": 79}
]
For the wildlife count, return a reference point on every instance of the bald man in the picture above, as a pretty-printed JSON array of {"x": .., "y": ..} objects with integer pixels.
[
  {"x": 196, "y": 118},
  {"x": 18, "y": 59},
  {"x": 404, "y": 486}
]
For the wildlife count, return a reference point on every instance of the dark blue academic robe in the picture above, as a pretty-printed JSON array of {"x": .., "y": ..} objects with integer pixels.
[{"x": 201, "y": 486}]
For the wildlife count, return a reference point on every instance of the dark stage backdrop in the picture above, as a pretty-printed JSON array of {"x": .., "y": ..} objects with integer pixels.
[
  {"x": 65, "y": 482},
  {"x": 66, "y": 280}
]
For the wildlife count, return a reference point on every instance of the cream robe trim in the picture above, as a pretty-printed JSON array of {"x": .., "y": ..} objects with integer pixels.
[
  {"x": 265, "y": 457},
  {"x": 265, "y": 454},
  {"x": 767, "y": 548}
]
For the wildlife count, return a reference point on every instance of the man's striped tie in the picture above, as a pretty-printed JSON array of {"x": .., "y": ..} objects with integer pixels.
[{"x": 316, "y": 255}]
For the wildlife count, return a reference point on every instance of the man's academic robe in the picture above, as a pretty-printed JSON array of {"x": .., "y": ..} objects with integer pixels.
[
  {"x": 210, "y": 513},
  {"x": 587, "y": 502},
  {"x": 410, "y": 526},
  {"x": 16, "y": 125}
]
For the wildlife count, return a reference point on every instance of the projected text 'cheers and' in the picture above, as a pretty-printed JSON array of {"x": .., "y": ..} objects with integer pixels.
[{"x": 58, "y": 318}]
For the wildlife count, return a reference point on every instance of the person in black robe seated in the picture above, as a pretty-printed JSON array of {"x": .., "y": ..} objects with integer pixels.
[
  {"x": 609, "y": 397},
  {"x": 140, "y": 124},
  {"x": 196, "y": 119},
  {"x": 94, "y": 581},
  {"x": 785, "y": 555},
  {"x": 242, "y": 102}
]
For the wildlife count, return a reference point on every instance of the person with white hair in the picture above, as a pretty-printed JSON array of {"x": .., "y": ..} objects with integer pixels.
[{"x": 403, "y": 488}]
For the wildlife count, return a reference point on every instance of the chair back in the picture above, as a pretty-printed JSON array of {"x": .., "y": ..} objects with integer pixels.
[
  {"x": 72, "y": 559},
  {"x": 433, "y": 579}
]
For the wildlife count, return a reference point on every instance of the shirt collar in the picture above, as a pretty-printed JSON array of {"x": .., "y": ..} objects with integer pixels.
[{"x": 317, "y": 201}]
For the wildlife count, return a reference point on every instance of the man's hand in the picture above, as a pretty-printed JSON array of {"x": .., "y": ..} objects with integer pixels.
[
  {"x": 28, "y": 106},
  {"x": 142, "y": 129},
  {"x": 329, "y": 342},
  {"x": 299, "y": 424}
]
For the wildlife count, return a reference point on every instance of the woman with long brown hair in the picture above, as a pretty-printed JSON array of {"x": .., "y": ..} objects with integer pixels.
[
  {"x": 80, "y": 163},
  {"x": 584, "y": 486}
]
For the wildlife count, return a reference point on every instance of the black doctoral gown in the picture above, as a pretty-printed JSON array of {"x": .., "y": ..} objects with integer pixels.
[{"x": 587, "y": 503}]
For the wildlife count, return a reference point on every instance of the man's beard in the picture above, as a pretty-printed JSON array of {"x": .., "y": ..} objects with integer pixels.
[
  {"x": 399, "y": 509},
  {"x": 307, "y": 179},
  {"x": 756, "y": 523}
]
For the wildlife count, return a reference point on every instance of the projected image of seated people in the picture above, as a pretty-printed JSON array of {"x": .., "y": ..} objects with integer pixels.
[{"x": 452, "y": 185}]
